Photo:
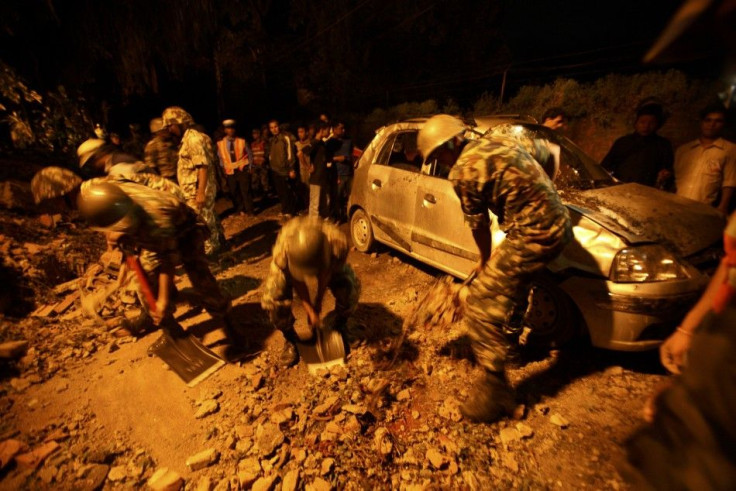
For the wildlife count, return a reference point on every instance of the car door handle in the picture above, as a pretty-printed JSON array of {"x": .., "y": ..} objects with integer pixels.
[
  {"x": 429, "y": 198},
  {"x": 377, "y": 183}
]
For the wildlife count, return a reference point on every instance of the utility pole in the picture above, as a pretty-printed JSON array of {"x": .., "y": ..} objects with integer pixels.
[{"x": 503, "y": 87}]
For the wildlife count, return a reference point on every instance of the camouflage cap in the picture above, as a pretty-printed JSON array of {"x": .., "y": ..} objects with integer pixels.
[
  {"x": 53, "y": 182},
  {"x": 156, "y": 125},
  {"x": 307, "y": 250},
  {"x": 176, "y": 115}
]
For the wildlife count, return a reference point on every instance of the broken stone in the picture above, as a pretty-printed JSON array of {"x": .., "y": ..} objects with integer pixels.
[
  {"x": 509, "y": 435},
  {"x": 12, "y": 350},
  {"x": 510, "y": 462},
  {"x": 355, "y": 409},
  {"x": 382, "y": 442},
  {"x": 558, "y": 420},
  {"x": 208, "y": 407},
  {"x": 290, "y": 482},
  {"x": 265, "y": 483},
  {"x": 20, "y": 384},
  {"x": 92, "y": 478},
  {"x": 8, "y": 450},
  {"x": 450, "y": 409},
  {"x": 327, "y": 466},
  {"x": 248, "y": 471},
  {"x": 256, "y": 381},
  {"x": 202, "y": 459},
  {"x": 31, "y": 459},
  {"x": 165, "y": 479},
  {"x": 519, "y": 412},
  {"x": 436, "y": 458},
  {"x": 613, "y": 371},
  {"x": 319, "y": 484},
  {"x": 524, "y": 430},
  {"x": 268, "y": 438},
  {"x": 326, "y": 405},
  {"x": 117, "y": 473},
  {"x": 47, "y": 474},
  {"x": 403, "y": 395},
  {"x": 282, "y": 416},
  {"x": 204, "y": 484}
]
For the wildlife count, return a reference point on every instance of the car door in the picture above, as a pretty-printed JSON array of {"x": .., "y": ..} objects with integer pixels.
[
  {"x": 440, "y": 236},
  {"x": 391, "y": 190}
]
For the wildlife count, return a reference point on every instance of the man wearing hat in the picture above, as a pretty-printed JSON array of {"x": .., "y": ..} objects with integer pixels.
[
  {"x": 98, "y": 158},
  {"x": 235, "y": 160},
  {"x": 195, "y": 170},
  {"x": 160, "y": 152},
  {"x": 308, "y": 250}
]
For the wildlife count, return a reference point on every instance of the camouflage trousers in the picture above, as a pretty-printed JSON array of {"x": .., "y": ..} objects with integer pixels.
[
  {"x": 213, "y": 244},
  {"x": 192, "y": 257},
  {"x": 497, "y": 298},
  {"x": 344, "y": 286}
]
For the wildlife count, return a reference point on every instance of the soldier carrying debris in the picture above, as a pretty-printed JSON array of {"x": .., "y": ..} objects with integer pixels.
[
  {"x": 98, "y": 158},
  {"x": 500, "y": 173},
  {"x": 137, "y": 217},
  {"x": 308, "y": 249}
]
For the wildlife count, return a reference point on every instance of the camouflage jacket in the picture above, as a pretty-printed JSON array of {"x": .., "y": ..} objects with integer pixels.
[
  {"x": 498, "y": 173},
  {"x": 196, "y": 151},
  {"x": 277, "y": 291},
  {"x": 161, "y": 154}
]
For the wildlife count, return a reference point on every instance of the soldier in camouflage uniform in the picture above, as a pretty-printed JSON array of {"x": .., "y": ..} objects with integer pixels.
[
  {"x": 308, "y": 248},
  {"x": 498, "y": 173},
  {"x": 161, "y": 153},
  {"x": 196, "y": 171}
]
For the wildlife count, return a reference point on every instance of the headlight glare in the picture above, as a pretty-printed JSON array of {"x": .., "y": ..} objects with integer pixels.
[{"x": 645, "y": 264}]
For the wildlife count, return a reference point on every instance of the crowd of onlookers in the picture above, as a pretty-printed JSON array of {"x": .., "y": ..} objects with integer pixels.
[{"x": 703, "y": 169}]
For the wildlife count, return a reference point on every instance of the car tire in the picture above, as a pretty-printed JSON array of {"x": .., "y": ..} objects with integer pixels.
[
  {"x": 552, "y": 317},
  {"x": 361, "y": 231}
]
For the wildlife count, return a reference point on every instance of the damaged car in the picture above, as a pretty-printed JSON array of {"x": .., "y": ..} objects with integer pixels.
[{"x": 639, "y": 259}]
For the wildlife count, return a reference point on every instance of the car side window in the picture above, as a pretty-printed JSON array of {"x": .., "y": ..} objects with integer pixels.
[
  {"x": 400, "y": 151},
  {"x": 440, "y": 161}
]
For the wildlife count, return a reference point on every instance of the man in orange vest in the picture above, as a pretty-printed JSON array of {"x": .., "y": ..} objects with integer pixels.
[{"x": 235, "y": 159}]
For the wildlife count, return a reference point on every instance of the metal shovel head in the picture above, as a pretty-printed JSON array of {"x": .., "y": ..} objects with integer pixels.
[
  {"x": 327, "y": 350},
  {"x": 187, "y": 357}
]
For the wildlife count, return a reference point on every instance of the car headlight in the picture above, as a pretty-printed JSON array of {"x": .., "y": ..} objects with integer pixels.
[{"x": 648, "y": 263}]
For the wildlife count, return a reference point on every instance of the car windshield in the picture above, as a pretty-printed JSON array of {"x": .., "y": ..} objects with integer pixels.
[{"x": 577, "y": 169}]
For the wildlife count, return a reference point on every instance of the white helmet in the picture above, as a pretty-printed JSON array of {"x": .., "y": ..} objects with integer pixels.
[{"x": 437, "y": 130}]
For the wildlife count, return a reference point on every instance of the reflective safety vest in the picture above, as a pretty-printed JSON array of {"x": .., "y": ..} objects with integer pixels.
[
  {"x": 726, "y": 293},
  {"x": 241, "y": 156}
]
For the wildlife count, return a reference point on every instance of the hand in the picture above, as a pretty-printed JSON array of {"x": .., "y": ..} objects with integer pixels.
[
  {"x": 162, "y": 304},
  {"x": 292, "y": 174},
  {"x": 199, "y": 203},
  {"x": 673, "y": 352}
]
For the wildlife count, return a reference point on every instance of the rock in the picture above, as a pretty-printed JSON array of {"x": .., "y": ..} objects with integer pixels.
[
  {"x": 12, "y": 350},
  {"x": 8, "y": 450},
  {"x": 326, "y": 405},
  {"x": 519, "y": 412},
  {"x": 165, "y": 479},
  {"x": 319, "y": 484},
  {"x": 256, "y": 381},
  {"x": 282, "y": 416},
  {"x": 382, "y": 442},
  {"x": 403, "y": 395},
  {"x": 352, "y": 426},
  {"x": 117, "y": 473},
  {"x": 327, "y": 466},
  {"x": 355, "y": 409},
  {"x": 436, "y": 459},
  {"x": 47, "y": 474},
  {"x": 542, "y": 409},
  {"x": 20, "y": 384},
  {"x": 208, "y": 407},
  {"x": 243, "y": 445},
  {"x": 265, "y": 483},
  {"x": 92, "y": 478},
  {"x": 268, "y": 438},
  {"x": 613, "y": 371},
  {"x": 31, "y": 459},
  {"x": 202, "y": 459},
  {"x": 290, "y": 480},
  {"x": 248, "y": 471},
  {"x": 509, "y": 435},
  {"x": 510, "y": 462},
  {"x": 204, "y": 484},
  {"x": 450, "y": 409},
  {"x": 558, "y": 420},
  {"x": 524, "y": 430}
]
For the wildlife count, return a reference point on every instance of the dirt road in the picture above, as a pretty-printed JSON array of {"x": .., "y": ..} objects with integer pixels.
[{"x": 118, "y": 415}]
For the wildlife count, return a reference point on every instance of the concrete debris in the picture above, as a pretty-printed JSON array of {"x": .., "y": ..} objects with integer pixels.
[
  {"x": 290, "y": 482},
  {"x": 268, "y": 438},
  {"x": 509, "y": 435},
  {"x": 8, "y": 450},
  {"x": 436, "y": 458},
  {"x": 165, "y": 479},
  {"x": 32, "y": 459},
  {"x": 12, "y": 350},
  {"x": 248, "y": 471},
  {"x": 208, "y": 407},
  {"x": 318, "y": 484},
  {"x": 202, "y": 459},
  {"x": 524, "y": 430},
  {"x": 117, "y": 473},
  {"x": 450, "y": 409},
  {"x": 265, "y": 483},
  {"x": 558, "y": 420},
  {"x": 382, "y": 442}
]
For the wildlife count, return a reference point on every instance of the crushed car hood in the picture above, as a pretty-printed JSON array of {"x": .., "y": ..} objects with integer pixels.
[{"x": 641, "y": 214}]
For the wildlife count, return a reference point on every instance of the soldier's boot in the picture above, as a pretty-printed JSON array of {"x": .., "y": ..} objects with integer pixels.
[
  {"x": 290, "y": 354},
  {"x": 491, "y": 399}
]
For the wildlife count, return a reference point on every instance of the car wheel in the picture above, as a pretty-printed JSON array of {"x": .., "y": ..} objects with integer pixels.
[
  {"x": 361, "y": 231},
  {"x": 552, "y": 316}
]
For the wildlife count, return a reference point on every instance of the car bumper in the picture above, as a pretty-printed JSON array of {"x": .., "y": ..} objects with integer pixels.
[{"x": 632, "y": 317}]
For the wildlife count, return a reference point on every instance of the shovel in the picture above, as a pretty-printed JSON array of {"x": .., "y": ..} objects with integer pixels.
[{"x": 186, "y": 356}]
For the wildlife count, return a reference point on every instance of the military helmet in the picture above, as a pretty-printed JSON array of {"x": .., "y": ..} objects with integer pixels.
[
  {"x": 437, "y": 130},
  {"x": 53, "y": 182},
  {"x": 104, "y": 205},
  {"x": 176, "y": 115},
  {"x": 307, "y": 251},
  {"x": 89, "y": 149},
  {"x": 156, "y": 125}
]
